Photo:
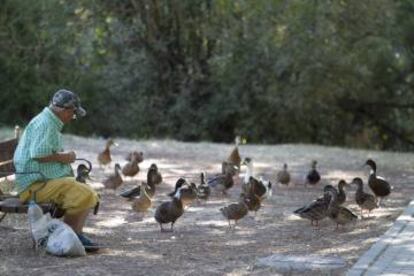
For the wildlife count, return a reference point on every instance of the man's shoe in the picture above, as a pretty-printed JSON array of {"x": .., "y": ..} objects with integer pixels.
[{"x": 88, "y": 244}]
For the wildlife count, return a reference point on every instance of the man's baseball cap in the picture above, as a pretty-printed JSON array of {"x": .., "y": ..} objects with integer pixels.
[{"x": 67, "y": 99}]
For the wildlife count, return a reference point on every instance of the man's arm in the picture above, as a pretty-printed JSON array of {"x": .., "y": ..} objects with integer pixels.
[{"x": 61, "y": 157}]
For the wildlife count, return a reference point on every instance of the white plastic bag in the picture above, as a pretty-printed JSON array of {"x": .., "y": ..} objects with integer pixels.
[
  {"x": 38, "y": 223},
  {"x": 58, "y": 238},
  {"x": 63, "y": 241}
]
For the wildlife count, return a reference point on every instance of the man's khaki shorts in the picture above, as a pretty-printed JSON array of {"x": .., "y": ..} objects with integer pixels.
[{"x": 65, "y": 192}]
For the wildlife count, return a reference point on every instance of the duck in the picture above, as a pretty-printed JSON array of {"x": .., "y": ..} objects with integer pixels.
[
  {"x": 154, "y": 177},
  {"x": 339, "y": 214},
  {"x": 364, "y": 200},
  {"x": 227, "y": 167},
  {"x": 221, "y": 182},
  {"x": 261, "y": 188},
  {"x": 178, "y": 185},
  {"x": 130, "y": 194},
  {"x": 188, "y": 194},
  {"x": 379, "y": 186},
  {"x": 143, "y": 202},
  {"x": 149, "y": 185},
  {"x": 169, "y": 211},
  {"x": 283, "y": 176},
  {"x": 114, "y": 180},
  {"x": 82, "y": 171},
  {"x": 234, "y": 157},
  {"x": 135, "y": 154},
  {"x": 104, "y": 157},
  {"x": 252, "y": 200},
  {"x": 203, "y": 190},
  {"x": 341, "y": 195},
  {"x": 313, "y": 176},
  {"x": 315, "y": 210},
  {"x": 131, "y": 168},
  {"x": 188, "y": 191},
  {"x": 235, "y": 211},
  {"x": 248, "y": 162}
]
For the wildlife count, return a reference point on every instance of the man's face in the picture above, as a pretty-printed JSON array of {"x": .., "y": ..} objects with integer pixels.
[{"x": 69, "y": 115}]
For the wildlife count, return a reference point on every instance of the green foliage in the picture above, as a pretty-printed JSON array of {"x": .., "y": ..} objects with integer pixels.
[{"x": 322, "y": 71}]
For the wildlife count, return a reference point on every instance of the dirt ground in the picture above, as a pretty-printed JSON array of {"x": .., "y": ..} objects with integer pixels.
[{"x": 201, "y": 243}]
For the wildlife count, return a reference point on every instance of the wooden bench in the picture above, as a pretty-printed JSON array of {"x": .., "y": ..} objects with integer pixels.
[{"x": 11, "y": 203}]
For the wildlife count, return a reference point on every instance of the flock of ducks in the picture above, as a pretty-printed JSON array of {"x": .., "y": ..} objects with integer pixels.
[
  {"x": 330, "y": 204},
  {"x": 253, "y": 190}
]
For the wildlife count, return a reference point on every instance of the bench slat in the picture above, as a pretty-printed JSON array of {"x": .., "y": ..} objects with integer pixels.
[
  {"x": 7, "y": 149},
  {"x": 6, "y": 207}
]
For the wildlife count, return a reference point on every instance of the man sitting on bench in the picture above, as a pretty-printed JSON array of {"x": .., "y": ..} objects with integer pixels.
[{"x": 40, "y": 149}]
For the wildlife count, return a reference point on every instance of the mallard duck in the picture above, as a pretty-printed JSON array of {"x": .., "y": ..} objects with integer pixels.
[
  {"x": 82, "y": 171},
  {"x": 364, "y": 200},
  {"x": 154, "y": 176},
  {"x": 143, "y": 202},
  {"x": 170, "y": 211},
  {"x": 203, "y": 190},
  {"x": 132, "y": 168},
  {"x": 316, "y": 210},
  {"x": 235, "y": 211},
  {"x": 313, "y": 175},
  {"x": 379, "y": 186},
  {"x": 114, "y": 180},
  {"x": 221, "y": 183},
  {"x": 234, "y": 157},
  {"x": 179, "y": 184},
  {"x": 341, "y": 195},
  {"x": 283, "y": 176},
  {"x": 104, "y": 157},
  {"x": 339, "y": 214}
]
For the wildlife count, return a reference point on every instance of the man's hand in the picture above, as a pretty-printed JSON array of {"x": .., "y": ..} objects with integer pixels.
[{"x": 68, "y": 157}]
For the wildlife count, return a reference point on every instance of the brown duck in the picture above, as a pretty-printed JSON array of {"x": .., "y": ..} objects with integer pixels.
[
  {"x": 188, "y": 194},
  {"x": 339, "y": 214},
  {"x": 149, "y": 187},
  {"x": 104, "y": 157},
  {"x": 143, "y": 202},
  {"x": 154, "y": 177},
  {"x": 252, "y": 201},
  {"x": 379, "y": 186},
  {"x": 170, "y": 211},
  {"x": 228, "y": 167},
  {"x": 135, "y": 154},
  {"x": 203, "y": 190},
  {"x": 364, "y": 200},
  {"x": 234, "y": 157},
  {"x": 313, "y": 176},
  {"x": 114, "y": 180},
  {"x": 221, "y": 183},
  {"x": 283, "y": 176},
  {"x": 341, "y": 195},
  {"x": 132, "y": 168},
  {"x": 316, "y": 210},
  {"x": 235, "y": 211}
]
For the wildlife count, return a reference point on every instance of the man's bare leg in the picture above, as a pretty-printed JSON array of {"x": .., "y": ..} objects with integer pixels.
[{"x": 77, "y": 221}]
